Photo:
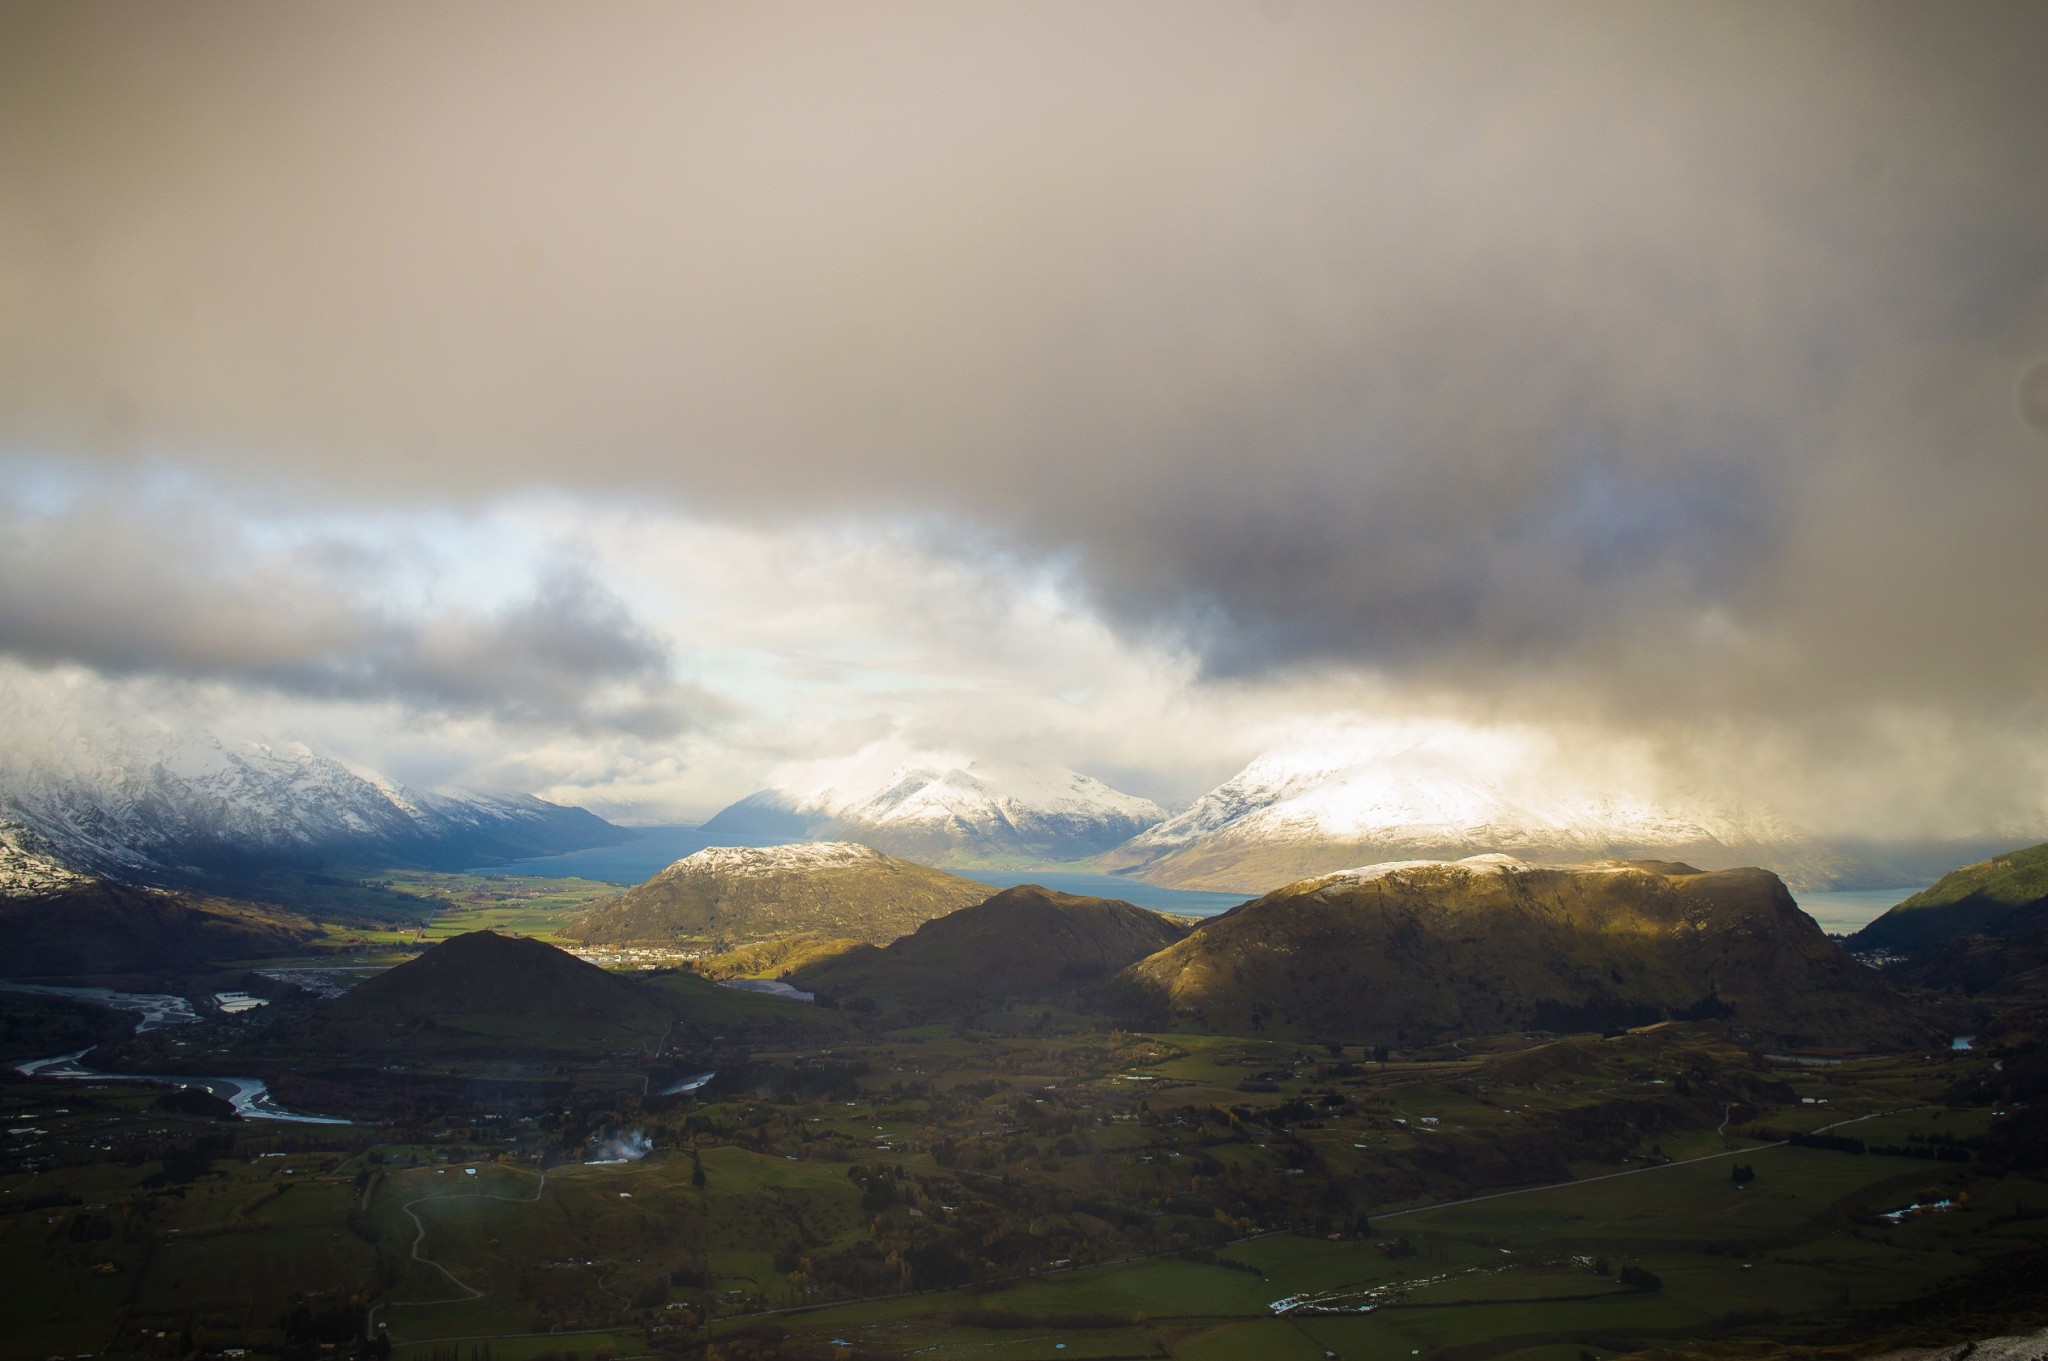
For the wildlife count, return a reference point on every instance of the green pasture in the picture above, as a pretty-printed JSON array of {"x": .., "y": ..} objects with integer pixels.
[
  {"x": 495, "y": 902},
  {"x": 1786, "y": 1251},
  {"x": 554, "y": 1265},
  {"x": 624, "y": 1342},
  {"x": 601, "y": 1231}
]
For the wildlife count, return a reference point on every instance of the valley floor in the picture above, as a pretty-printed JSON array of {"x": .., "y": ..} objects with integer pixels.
[
  {"x": 1036, "y": 1185},
  {"x": 1067, "y": 1193}
]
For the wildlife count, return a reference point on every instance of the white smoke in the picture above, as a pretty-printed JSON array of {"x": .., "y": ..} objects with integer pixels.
[{"x": 621, "y": 1148}]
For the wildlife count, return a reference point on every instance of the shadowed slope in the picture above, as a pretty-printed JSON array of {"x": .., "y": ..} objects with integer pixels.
[
  {"x": 1984, "y": 897},
  {"x": 1023, "y": 942},
  {"x": 93, "y": 926},
  {"x": 506, "y": 988}
]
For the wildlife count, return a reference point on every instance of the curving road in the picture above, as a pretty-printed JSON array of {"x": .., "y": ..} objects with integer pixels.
[{"x": 419, "y": 1239}]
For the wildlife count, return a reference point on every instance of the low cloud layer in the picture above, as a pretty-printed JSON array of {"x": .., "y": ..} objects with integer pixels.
[
  {"x": 188, "y": 591},
  {"x": 1663, "y": 372}
]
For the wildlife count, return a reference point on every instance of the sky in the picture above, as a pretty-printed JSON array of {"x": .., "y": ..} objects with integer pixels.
[{"x": 630, "y": 403}]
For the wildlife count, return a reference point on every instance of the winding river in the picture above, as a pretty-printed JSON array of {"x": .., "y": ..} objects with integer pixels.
[{"x": 250, "y": 1096}]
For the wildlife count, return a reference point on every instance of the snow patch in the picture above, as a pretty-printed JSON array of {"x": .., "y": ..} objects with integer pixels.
[
  {"x": 1491, "y": 863},
  {"x": 760, "y": 860}
]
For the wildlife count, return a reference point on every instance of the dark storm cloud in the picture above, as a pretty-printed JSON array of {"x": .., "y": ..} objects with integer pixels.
[
  {"x": 1661, "y": 353},
  {"x": 109, "y": 586}
]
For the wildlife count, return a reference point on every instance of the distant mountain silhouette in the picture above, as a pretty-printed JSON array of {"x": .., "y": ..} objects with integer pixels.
[
  {"x": 509, "y": 989},
  {"x": 1025, "y": 942}
]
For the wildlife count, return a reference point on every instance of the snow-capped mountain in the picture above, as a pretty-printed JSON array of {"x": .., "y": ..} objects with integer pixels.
[
  {"x": 163, "y": 805},
  {"x": 947, "y": 814},
  {"x": 1324, "y": 806},
  {"x": 739, "y": 894},
  {"x": 754, "y": 862}
]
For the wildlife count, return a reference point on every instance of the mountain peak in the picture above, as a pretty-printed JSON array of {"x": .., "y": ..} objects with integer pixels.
[
  {"x": 1025, "y": 941},
  {"x": 738, "y": 894},
  {"x": 146, "y": 802},
  {"x": 803, "y": 855},
  {"x": 1401, "y": 795},
  {"x": 482, "y": 981},
  {"x": 939, "y": 810}
]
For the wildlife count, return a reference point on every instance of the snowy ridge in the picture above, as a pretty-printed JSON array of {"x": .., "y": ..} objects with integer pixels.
[
  {"x": 1413, "y": 794},
  {"x": 145, "y": 802},
  {"x": 981, "y": 792},
  {"x": 1491, "y": 863},
  {"x": 932, "y": 810},
  {"x": 745, "y": 861},
  {"x": 1420, "y": 797}
]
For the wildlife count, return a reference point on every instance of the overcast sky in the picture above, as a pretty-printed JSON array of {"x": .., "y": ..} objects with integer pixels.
[{"x": 627, "y": 401}]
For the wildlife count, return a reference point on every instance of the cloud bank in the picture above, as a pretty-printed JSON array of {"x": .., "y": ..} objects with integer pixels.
[{"x": 1666, "y": 373}]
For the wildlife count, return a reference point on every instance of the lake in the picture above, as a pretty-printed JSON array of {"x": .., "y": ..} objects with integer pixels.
[
  {"x": 654, "y": 850},
  {"x": 1849, "y": 910},
  {"x": 1182, "y": 902}
]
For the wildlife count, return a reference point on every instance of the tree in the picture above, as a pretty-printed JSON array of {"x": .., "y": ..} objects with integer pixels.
[
  {"x": 1640, "y": 1279},
  {"x": 697, "y": 1177},
  {"x": 1742, "y": 1174}
]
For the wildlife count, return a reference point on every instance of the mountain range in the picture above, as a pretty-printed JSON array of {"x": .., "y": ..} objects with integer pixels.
[
  {"x": 151, "y": 802},
  {"x": 58, "y": 922},
  {"x": 952, "y": 815},
  {"x": 170, "y": 806},
  {"x": 1306, "y": 810},
  {"x": 1314, "y": 806}
]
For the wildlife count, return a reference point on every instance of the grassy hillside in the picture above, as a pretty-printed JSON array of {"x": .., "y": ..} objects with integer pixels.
[
  {"x": 1023, "y": 942},
  {"x": 1973, "y": 899},
  {"x": 730, "y": 896},
  {"x": 1437, "y": 950},
  {"x": 775, "y": 958}
]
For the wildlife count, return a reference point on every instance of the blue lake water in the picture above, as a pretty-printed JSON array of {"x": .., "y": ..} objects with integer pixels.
[
  {"x": 1847, "y": 910},
  {"x": 1184, "y": 902},
  {"x": 654, "y": 850}
]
